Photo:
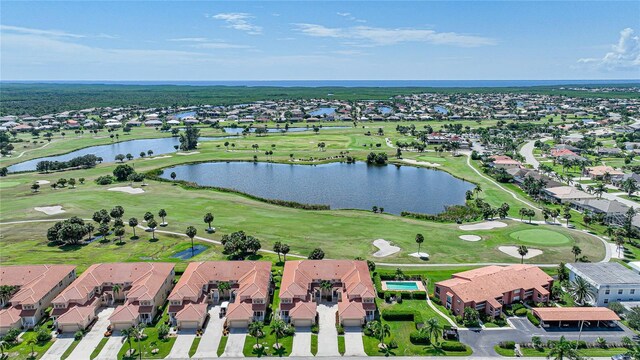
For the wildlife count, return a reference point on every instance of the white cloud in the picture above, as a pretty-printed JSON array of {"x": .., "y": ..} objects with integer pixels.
[
  {"x": 189, "y": 39},
  {"x": 29, "y": 31},
  {"x": 343, "y": 14},
  {"x": 239, "y": 21},
  {"x": 371, "y": 36},
  {"x": 218, "y": 45},
  {"x": 625, "y": 55}
]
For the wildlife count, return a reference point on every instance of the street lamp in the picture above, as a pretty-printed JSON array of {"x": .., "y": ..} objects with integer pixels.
[{"x": 580, "y": 333}]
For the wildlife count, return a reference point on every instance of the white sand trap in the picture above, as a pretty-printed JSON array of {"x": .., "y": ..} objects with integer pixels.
[
  {"x": 188, "y": 153},
  {"x": 488, "y": 225},
  {"x": 158, "y": 157},
  {"x": 43, "y": 182},
  {"x": 420, "y": 255},
  {"x": 614, "y": 252},
  {"x": 127, "y": 189},
  {"x": 513, "y": 251},
  {"x": 50, "y": 210},
  {"x": 470, "y": 237},
  {"x": 385, "y": 247},
  {"x": 425, "y": 163}
]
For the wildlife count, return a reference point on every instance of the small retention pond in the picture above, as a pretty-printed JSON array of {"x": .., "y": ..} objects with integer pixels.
[{"x": 340, "y": 185}]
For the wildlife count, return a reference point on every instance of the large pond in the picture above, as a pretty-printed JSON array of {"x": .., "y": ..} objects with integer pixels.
[
  {"x": 108, "y": 152},
  {"x": 340, "y": 185}
]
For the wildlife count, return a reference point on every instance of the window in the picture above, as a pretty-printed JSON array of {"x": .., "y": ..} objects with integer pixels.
[
  {"x": 632, "y": 291},
  {"x": 285, "y": 300},
  {"x": 606, "y": 301},
  {"x": 437, "y": 290},
  {"x": 284, "y": 313},
  {"x": 607, "y": 292},
  {"x": 620, "y": 292}
]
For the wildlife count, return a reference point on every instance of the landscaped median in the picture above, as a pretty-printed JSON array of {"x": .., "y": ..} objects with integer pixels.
[{"x": 538, "y": 348}]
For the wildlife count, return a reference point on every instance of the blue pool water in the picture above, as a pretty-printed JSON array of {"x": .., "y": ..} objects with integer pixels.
[{"x": 402, "y": 285}]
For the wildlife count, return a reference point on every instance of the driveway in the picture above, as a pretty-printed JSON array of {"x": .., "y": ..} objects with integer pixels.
[
  {"x": 353, "y": 345},
  {"x": 235, "y": 343},
  {"x": 210, "y": 341},
  {"x": 112, "y": 347},
  {"x": 91, "y": 340},
  {"x": 63, "y": 341},
  {"x": 302, "y": 342},
  {"x": 327, "y": 334},
  {"x": 183, "y": 343},
  {"x": 527, "y": 152}
]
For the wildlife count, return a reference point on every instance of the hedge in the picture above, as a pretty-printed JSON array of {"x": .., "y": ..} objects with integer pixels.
[
  {"x": 521, "y": 312},
  {"x": 419, "y": 338},
  {"x": 510, "y": 345},
  {"x": 534, "y": 320},
  {"x": 402, "y": 315},
  {"x": 453, "y": 346}
]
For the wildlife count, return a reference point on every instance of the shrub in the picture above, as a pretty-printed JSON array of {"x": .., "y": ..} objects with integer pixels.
[
  {"x": 393, "y": 344},
  {"x": 377, "y": 282},
  {"x": 105, "y": 180},
  {"x": 387, "y": 297},
  {"x": 406, "y": 295},
  {"x": 397, "y": 315},
  {"x": 453, "y": 346},
  {"x": 315, "y": 328},
  {"x": 78, "y": 335},
  {"x": 521, "y": 312},
  {"x": 340, "y": 329},
  {"x": 436, "y": 300},
  {"x": 398, "y": 297},
  {"x": 534, "y": 320},
  {"x": 419, "y": 338},
  {"x": 420, "y": 295},
  {"x": 12, "y": 335},
  {"x": 510, "y": 345},
  {"x": 616, "y": 307},
  {"x": 42, "y": 334}
]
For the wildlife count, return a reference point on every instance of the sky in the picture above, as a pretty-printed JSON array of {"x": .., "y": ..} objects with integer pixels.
[{"x": 319, "y": 40}]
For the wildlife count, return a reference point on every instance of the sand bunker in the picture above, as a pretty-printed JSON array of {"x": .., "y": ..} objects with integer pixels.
[
  {"x": 188, "y": 153},
  {"x": 420, "y": 255},
  {"x": 470, "y": 237},
  {"x": 159, "y": 157},
  {"x": 425, "y": 163},
  {"x": 127, "y": 189},
  {"x": 50, "y": 210},
  {"x": 43, "y": 182},
  {"x": 513, "y": 251},
  {"x": 385, "y": 247},
  {"x": 483, "y": 226}
]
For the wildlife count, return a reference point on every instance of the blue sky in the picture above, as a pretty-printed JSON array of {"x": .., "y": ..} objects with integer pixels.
[{"x": 264, "y": 40}]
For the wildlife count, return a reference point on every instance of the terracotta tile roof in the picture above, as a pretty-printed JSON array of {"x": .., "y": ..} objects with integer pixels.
[
  {"x": 351, "y": 310},
  {"x": 240, "y": 311},
  {"x": 493, "y": 281},
  {"x": 298, "y": 275},
  {"x": 576, "y": 314},
  {"x": 78, "y": 314},
  {"x": 253, "y": 278},
  {"x": 10, "y": 316},
  {"x": 125, "y": 313},
  {"x": 303, "y": 310},
  {"x": 146, "y": 280},
  {"x": 192, "y": 312},
  {"x": 34, "y": 281}
]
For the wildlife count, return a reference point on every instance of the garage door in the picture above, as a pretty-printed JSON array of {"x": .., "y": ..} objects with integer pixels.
[
  {"x": 238, "y": 324},
  {"x": 189, "y": 325},
  {"x": 302, "y": 322},
  {"x": 351, "y": 322},
  {"x": 121, "y": 326},
  {"x": 69, "y": 328}
]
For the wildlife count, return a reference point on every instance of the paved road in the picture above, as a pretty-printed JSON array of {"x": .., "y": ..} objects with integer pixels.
[
  {"x": 353, "y": 345},
  {"x": 210, "y": 341},
  {"x": 302, "y": 341},
  {"x": 327, "y": 334},
  {"x": 91, "y": 340},
  {"x": 63, "y": 341},
  {"x": 527, "y": 152}
]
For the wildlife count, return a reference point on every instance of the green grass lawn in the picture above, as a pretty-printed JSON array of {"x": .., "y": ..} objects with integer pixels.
[
  {"x": 589, "y": 353},
  {"x": 22, "y": 350},
  {"x": 147, "y": 345},
  {"x": 98, "y": 348},
  {"x": 194, "y": 345},
  {"x": 268, "y": 341},
  {"x": 70, "y": 349},
  {"x": 341, "y": 345},
  {"x": 222, "y": 345},
  {"x": 314, "y": 344},
  {"x": 540, "y": 237}
]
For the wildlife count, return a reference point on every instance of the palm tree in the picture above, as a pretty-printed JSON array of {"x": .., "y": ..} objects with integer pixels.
[
  {"x": 137, "y": 330},
  {"x": 576, "y": 251},
  {"x": 191, "y": 233},
  {"x": 580, "y": 290},
  {"x": 152, "y": 224},
  {"x": 32, "y": 342},
  {"x": 523, "y": 212},
  {"x": 419, "y": 241},
  {"x": 619, "y": 244},
  {"x": 277, "y": 247},
  {"x": 128, "y": 334},
  {"x": 208, "y": 218},
  {"x": 383, "y": 331},
  {"x": 3, "y": 346},
  {"x": 325, "y": 286},
  {"x": 133, "y": 222},
  {"x": 477, "y": 190},
  {"x": 433, "y": 328},
  {"x": 224, "y": 287},
  {"x": 162, "y": 214},
  {"x": 256, "y": 330},
  {"x": 284, "y": 250},
  {"x": 116, "y": 290},
  {"x": 279, "y": 329},
  {"x": 562, "y": 349},
  {"x": 523, "y": 251}
]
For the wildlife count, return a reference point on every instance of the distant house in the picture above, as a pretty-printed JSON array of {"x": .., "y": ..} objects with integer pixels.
[
  {"x": 598, "y": 172},
  {"x": 350, "y": 285},
  {"x": 489, "y": 288},
  {"x": 563, "y": 194},
  {"x": 520, "y": 174},
  {"x": 248, "y": 294},
  {"x": 613, "y": 210},
  {"x": 504, "y": 162},
  {"x": 610, "y": 282},
  {"x": 152, "y": 123},
  {"x": 143, "y": 289},
  {"x": 36, "y": 285}
]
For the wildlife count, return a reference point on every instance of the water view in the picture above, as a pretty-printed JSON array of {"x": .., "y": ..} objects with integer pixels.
[{"x": 342, "y": 186}]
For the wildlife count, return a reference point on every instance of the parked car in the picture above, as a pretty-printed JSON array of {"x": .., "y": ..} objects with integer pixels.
[{"x": 621, "y": 357}]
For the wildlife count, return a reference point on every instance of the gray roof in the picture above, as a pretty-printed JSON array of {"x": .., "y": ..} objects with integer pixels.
[{"x": 606, "y": 273}]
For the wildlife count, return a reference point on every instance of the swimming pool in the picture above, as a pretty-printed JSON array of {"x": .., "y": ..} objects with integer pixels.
[{"x": 402, "y": 285}]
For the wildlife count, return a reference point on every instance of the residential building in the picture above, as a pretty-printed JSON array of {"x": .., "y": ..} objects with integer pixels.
[
  {"x": 599, "y": 172},
  {"x": 140, "y": 289},
  {"x": 306, "y": 283},
  {"x": 247, "y": 289},
  {"x": 610, "y": 282},
  {"x": 489, "y": 288},
  {"x": 563, "y": 194},
  {"x": 613, "y": 210},
  {"x": 35, "y": 287},
  {"x": 575, "y": 316}
]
